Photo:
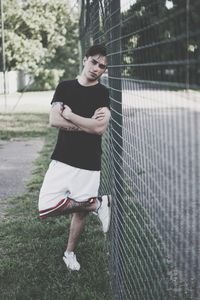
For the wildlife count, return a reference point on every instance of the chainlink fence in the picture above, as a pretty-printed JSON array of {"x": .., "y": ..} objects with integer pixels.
[{"x": 151, "y": 161}]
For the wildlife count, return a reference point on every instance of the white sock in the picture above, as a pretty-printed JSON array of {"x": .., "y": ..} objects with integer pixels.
[{"x": 67, "y": 252}]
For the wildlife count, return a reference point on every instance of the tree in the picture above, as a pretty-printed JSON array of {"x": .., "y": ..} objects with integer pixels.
[
  {"x": 37, "y": 32},
  {"x": 162, "y": 44},
  {"x": 143, "y": 33}
]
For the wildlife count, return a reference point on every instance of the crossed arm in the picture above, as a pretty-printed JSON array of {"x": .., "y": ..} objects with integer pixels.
[{"x": 62, "y": 117}]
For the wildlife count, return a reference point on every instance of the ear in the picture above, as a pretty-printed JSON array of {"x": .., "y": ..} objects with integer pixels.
[{"x": 84, "y": 60}]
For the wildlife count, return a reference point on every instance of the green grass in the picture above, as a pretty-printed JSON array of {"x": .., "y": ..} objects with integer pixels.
[
  {"x": 31, "y": 250},
  {"x": 22, "y": 125}
]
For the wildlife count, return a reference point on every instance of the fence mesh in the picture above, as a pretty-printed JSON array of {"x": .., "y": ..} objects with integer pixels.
[{"x": 151, "y": 161}]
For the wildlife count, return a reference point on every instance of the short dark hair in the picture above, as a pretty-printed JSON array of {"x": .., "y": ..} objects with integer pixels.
[{"x": 96, "y": 49}]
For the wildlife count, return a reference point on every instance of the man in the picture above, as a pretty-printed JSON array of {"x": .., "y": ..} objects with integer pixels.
[{"x": 80, "y": 108}]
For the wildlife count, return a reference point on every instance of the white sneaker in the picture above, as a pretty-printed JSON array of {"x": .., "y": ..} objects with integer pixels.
[
  {"x": 104, "y": 212},
  {"x": 71, "y": 261}
]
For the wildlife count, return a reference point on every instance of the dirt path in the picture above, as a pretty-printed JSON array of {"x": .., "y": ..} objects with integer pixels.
[{"x": 16, "y": 164}]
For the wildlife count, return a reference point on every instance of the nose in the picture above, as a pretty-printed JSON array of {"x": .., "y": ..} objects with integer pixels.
[{"x": 96, "y": 68}]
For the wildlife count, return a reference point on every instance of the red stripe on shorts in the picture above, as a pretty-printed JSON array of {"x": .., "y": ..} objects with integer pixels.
[{"x": 54, "y": 210}]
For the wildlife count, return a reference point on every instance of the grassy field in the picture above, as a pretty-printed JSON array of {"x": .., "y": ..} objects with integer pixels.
[
  {"x": 31, "y": 265},
  {"x": 22, "y": 125}
]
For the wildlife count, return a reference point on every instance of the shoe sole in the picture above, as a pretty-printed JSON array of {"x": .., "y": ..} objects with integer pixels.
[{"x": 109, "y": 205}]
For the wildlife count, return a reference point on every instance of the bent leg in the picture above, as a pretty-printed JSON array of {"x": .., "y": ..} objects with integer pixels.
[
  {"x": 67, "y": 206},
  {"x": 85, "y": 206},
  {"x": 63, "y": 181}
]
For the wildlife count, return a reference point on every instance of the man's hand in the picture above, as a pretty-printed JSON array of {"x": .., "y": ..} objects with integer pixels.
[
  {"x": 99, "y": 113},
  {"x": 66, "y": 112},
  {"x": 95, "y": 125},
  {"x": 58, "y": 106},
  {"x": 57, "y": 120}
]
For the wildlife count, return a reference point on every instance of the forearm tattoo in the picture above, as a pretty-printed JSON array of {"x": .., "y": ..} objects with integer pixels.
[
  {"x": 71, "y": 128},
  {"x": 71, "y": 206}
]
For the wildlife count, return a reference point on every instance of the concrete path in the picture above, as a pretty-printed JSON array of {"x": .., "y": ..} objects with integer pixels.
[
  {"x": 17, "y": 156},
  {"x": 16, "y": 166},
  {"x": 33, "y": 102}
]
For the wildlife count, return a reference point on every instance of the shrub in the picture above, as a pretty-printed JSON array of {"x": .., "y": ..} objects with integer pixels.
[{"x": 46, "y": 80}]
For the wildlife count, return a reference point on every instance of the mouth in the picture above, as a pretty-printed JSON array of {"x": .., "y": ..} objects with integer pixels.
[{"x": 93, "y": 74}]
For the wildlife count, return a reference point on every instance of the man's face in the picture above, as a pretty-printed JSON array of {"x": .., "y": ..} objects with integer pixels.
[{"x": 94, "y": 66}]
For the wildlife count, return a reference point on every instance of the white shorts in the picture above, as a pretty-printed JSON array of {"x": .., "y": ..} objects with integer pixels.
[{"x": 62, "y": 182}]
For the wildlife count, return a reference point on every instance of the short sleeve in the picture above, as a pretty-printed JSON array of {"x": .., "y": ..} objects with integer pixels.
[
  {"x": 59, "y": 93},
  {"x": 107, "y": 98}
]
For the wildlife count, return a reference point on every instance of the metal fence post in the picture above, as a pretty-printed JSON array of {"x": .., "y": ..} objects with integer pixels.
[
  {"x": 3, "y": 55},
  {"x": 113, "y": 40}
]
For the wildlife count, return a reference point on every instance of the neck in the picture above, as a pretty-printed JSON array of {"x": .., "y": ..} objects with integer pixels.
[{"x": 84, "y": 81}]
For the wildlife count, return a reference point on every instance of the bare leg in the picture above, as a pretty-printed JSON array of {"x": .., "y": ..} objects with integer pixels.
[
  {"x": 76, "y": 228},
  {"x": 82, "y": 207},
  {"x": 70, "y": 206},
  {"x": 78, "y": 220}
]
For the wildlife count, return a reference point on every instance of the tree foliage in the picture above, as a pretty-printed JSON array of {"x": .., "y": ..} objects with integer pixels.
[
  {"x": 40, "y": 35},
  {"x": 162, "y": 44}
]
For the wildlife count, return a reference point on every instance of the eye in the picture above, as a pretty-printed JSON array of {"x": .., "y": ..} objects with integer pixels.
[
  {"x": 102, "y": 66},
  {"x": 94, "y": 62}
]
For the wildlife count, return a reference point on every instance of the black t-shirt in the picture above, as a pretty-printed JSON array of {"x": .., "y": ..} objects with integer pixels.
[{"x": 78, "y": 148}]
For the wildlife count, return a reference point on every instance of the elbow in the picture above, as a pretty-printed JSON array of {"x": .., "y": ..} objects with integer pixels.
[
  {"x": 99, "y": 130},
  {"x": 53, "y": 122},
  {"x": 101, "y": 127},
  {"x": 95, "y": 131}
]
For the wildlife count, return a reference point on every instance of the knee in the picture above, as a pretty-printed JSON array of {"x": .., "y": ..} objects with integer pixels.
[{"x": 80, "y": 215}]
